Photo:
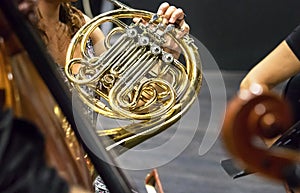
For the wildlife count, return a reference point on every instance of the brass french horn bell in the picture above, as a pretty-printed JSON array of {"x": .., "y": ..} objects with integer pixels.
[{"x": 135, "y": 78}]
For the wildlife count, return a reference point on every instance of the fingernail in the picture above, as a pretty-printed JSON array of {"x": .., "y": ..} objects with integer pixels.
[
  {"x": 159, "y": 12},
  {"x": 165, "y": 21}
]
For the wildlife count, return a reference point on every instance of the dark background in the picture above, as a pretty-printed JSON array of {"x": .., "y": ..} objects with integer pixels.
[{"x": 238, "y": 33}]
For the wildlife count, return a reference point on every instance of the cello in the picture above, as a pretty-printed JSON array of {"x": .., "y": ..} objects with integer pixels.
[{"x": 254, "y": 117}]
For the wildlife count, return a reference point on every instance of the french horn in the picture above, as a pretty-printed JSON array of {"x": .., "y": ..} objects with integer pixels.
[{"x": 135, "y": 79}]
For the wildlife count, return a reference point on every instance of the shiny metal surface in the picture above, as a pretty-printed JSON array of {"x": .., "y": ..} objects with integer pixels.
[{"x": 135, "y": 79}]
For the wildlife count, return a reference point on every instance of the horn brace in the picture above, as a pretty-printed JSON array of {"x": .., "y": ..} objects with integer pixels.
[{"x": 135, "y": 78}]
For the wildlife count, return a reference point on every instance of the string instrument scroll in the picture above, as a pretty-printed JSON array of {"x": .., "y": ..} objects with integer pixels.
[{"x": 252, "y": 119}]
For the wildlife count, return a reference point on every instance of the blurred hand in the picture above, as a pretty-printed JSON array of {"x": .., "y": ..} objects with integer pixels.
[{"x": 27, "y": 7}]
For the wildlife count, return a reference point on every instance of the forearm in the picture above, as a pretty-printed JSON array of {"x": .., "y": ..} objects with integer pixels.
[{"x": 278, "y": 66}]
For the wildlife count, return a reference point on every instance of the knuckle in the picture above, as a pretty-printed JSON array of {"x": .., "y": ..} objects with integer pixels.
[{"x": 172, "y": 7}]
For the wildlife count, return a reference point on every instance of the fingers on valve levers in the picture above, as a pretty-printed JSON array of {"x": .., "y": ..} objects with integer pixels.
[{"x": 174, "y": 15}]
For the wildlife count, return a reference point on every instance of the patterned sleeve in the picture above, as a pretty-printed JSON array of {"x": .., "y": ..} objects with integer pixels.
[{"x": 293, "y": 40}]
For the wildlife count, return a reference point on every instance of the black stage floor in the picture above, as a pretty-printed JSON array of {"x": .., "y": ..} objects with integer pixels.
[{"x": 183, "y": 165}]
